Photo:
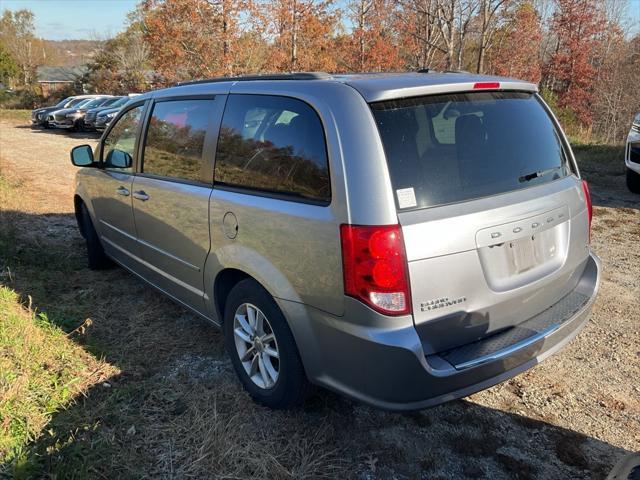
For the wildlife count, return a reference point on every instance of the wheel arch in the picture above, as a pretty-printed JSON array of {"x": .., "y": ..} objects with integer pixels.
[
  {"x": 222, "y": 286},
  {"x": 230, "y": 264}
]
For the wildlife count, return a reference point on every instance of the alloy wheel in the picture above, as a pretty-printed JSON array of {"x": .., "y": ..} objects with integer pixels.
[{"x": 256, "y": 345}]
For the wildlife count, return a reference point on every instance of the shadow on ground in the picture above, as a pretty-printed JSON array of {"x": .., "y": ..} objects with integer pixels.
[{"x": 177, "y": 411}]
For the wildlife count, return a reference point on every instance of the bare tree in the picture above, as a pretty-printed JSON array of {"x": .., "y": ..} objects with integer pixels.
[
  {"x": 489, "y": 20},
  {"x": 466, "y": 10},
  {"x": 359, "y": 12},
  {"x": 615, "y": 102},
  {"x": 133, "y": 55},
  {"x": 419, "y": 22},
  {"x": 545, "y": 9}
]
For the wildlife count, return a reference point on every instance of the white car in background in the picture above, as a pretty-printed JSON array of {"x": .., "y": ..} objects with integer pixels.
[{"x": 632, "y": 156}]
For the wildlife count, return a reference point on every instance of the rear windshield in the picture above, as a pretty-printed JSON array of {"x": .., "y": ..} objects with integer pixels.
[{"x": 450, "y": 148}]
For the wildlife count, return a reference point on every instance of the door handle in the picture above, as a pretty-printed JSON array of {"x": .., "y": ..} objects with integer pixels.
[
  {"x": 122, "y": 191},
  {"x": 140, "y": 195}
]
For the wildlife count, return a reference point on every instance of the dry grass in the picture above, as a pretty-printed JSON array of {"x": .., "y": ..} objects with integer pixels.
[{"x": 15, "y": 115}]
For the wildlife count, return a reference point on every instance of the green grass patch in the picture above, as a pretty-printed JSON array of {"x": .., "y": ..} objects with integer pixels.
[
  {"x": 41, "y": 371},
  {"x": 16, "y": 115}
]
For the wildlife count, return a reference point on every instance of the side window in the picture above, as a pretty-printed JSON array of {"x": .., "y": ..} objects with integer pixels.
[
  {"x": 175, "y": 139},
  {"x": 119, "y": 146},
  {"x": 273, "y": 144}
]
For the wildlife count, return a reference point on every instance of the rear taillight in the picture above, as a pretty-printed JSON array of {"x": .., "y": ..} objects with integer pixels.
[
  {"x": 375, "y": 267},
  {"x": 587, "y": 198}
]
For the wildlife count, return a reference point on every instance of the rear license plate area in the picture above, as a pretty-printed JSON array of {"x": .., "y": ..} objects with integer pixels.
[{"x": 522, "y": 253}]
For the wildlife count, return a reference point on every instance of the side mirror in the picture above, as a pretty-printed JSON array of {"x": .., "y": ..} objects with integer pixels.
[
  {"x": 82, "y": 156},
  {"x": 118, "y": 159}
]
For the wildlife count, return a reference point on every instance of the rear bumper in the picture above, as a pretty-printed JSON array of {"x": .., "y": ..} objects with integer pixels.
[{"x": 380, "y": 361}]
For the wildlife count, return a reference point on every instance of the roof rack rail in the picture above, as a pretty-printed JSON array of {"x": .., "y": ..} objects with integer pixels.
[
  {"x": 423, "y": 70},
  {"x": 272, "y": 76},
  {"x": 457, "y": 71}
]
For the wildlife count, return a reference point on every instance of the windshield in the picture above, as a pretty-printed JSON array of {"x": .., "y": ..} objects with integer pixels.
[
  {"x": 96, "y": 102},
  {"x": 79, "y": 102},
  {"x": 62, "y": 103},
  {"x": 111, "y": 101},
  {"x": 121, "y": 101},
  {"x": 444, "y": 149}
]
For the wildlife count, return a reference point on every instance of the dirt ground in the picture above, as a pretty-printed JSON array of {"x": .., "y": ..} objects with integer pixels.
[{"x": 176, "y": 410}]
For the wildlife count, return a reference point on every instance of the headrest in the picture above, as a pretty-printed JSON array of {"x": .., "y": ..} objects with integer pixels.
[{"x": 469, "y": 129}]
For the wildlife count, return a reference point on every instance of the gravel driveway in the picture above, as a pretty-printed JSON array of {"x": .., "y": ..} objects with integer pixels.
[{"x": 573, "y": 416}]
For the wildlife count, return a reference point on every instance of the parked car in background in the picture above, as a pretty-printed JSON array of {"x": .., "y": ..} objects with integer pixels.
[
  {"x": 104, "y": 118},
  {"x": 632, "y": 156},
  {"x": 40, "y": 116},
  {"x": 73, "y": 118},
  {"x": 404, "y": 239},
  {"x": 92, "y": 115}
]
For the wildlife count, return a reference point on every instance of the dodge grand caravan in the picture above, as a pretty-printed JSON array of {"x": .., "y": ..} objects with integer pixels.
[{"x": 403, "y": 239}]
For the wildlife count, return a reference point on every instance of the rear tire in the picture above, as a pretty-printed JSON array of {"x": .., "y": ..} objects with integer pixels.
[
  {"x": 291, "y": 386},
  {"x": 96, "y": 258},
  {"x": 633, "y": 181}
]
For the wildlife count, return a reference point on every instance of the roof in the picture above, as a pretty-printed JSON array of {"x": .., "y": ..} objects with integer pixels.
[
  {"x": 60, "y": 74},
  {"x": 376, "y": 87}
]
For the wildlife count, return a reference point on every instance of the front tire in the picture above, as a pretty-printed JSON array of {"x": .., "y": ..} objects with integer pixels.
[
  {"x": 262, "y": 348},
  {"x": 633, "y": 181},
  {"x": 96, "y": 258}
]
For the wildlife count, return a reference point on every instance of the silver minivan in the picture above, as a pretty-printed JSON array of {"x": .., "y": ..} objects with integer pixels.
[{"x": 403, "y": 239}]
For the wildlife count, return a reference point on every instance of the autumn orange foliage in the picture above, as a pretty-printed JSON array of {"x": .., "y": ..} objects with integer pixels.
[
  {"x": 517, "y": 49},
  {"x": 577, "y": 25},
  {"x": 564, "y": 50}
]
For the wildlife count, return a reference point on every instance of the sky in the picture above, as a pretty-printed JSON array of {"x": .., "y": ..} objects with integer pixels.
[
  {"x": 101, "y": 19},
  {"x": 75, "y": 19}
]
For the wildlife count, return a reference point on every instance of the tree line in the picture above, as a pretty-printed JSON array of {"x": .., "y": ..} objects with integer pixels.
[{"x": 578, "y": 51}]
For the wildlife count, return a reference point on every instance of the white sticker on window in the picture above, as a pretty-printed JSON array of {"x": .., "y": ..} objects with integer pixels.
[{"x": 406, "y": 197}]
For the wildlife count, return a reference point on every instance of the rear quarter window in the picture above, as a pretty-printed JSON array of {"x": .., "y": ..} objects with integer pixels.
[
  {"x": 273, "y": 144},
  {"x": 444, "y": 149}
]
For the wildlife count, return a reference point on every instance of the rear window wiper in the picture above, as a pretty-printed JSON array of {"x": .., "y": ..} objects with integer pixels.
[{"x": 540, "y": 173}]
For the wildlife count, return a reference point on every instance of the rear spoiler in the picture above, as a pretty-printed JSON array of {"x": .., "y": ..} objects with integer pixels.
[{"x": 453, "y": 87}]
